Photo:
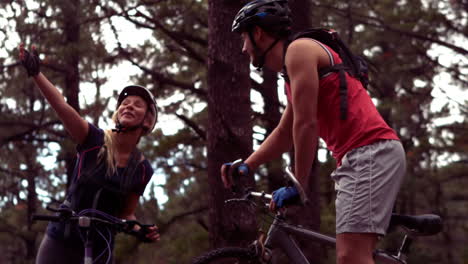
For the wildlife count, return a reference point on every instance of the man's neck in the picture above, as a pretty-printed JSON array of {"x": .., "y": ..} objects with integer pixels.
[{"x": 274, "y": 60}]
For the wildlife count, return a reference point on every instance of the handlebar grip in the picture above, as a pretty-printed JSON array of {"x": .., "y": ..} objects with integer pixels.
[
  {"x": 141, "y": 234},
  {"x": 130, "y": 224},
  {"x": 52, "y": 218}
]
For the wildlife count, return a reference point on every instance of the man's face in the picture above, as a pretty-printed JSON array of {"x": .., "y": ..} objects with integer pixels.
[{"x": 248, "y": 48}]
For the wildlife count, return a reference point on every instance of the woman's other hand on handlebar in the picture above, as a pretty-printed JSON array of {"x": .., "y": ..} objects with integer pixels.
[
  {"x": 153, "y": 233},
  {"x": 147, "y": 234}
]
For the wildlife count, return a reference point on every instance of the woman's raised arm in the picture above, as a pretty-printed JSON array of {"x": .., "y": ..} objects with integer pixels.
[{"x": 75, "y": 125}]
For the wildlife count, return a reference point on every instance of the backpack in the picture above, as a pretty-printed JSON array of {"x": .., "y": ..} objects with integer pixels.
[{"x": 355, "y": 66}]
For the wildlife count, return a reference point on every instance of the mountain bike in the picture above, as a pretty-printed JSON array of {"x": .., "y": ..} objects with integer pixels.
[
  {"x": 88, "y": 220},
  {"x": 282, "y": 234}
]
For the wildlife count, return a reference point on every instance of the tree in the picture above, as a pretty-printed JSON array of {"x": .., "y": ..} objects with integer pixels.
[{"x": 230, "y": 126}]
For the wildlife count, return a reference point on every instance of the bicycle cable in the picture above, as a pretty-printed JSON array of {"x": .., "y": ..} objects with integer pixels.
[{"x": 108, "y": 248}]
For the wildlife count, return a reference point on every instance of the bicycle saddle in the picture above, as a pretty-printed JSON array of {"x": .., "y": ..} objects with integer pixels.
[{"x": 422, "y": 225}]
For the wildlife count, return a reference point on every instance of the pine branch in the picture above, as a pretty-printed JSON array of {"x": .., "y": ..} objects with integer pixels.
[
  {"x": 11, "y": 65},
  {"x": 20, "y": 136},
  {"x": 165, "y": 226},
  {"x": 156, "y": 75},
  {"x": 200, "y": 132},
  {"x": 176, "y": 37},
  {"x": 379, "y": 23}
]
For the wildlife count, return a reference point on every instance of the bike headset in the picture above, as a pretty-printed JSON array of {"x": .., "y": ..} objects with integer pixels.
[
  {"x": 273, "y": 16},
  {"x": 149, "y": 99}
]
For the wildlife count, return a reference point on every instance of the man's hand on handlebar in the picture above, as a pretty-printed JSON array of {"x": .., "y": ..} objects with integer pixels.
[
  {"x": 232, "y": 170},
  {"x": 284, "y": 196}
]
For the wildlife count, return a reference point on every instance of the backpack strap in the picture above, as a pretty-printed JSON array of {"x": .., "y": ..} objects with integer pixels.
[
  {"x": 87, "y": 169},
  {"x": 125, "y": 179},
  {"x": 323, "y": 72},
  {"x": 71, "y": 202},
  {"x": 131, "y": 168}
]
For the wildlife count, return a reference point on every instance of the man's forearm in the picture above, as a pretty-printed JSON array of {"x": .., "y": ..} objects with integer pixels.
[
  {"x": 305, "y": 143},
  {"x": 276, "y": 144}
]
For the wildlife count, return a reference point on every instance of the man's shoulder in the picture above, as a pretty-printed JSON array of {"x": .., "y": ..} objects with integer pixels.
[
  {"x": 304, "y": 44},
  {"x": 309, "y": 50}
]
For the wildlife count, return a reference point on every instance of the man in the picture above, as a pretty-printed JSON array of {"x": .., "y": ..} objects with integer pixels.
[{"x": 369, "y": 155}]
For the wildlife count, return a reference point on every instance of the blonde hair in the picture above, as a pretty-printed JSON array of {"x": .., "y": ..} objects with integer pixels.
[
  {"x": 107, "y": 152},
  {"x": 154, "y": 119}
]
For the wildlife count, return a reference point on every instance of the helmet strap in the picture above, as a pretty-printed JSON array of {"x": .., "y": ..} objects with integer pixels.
[
  {"x": 119, "y": 128},
  {"x": 257, "y": 50}
]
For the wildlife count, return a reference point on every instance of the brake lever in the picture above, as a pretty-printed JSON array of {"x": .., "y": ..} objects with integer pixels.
[
  {"x": 64, "y": 211},
  {"x": 248, "y": 193}
]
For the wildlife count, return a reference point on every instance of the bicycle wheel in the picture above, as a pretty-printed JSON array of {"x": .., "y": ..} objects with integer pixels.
[{"x": 229, "y": 255}]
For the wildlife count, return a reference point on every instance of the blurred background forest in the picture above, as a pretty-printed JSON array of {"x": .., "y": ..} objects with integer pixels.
[{"x": 214, "y": 110}]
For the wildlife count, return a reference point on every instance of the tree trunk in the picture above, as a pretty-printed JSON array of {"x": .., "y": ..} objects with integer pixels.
[
  {"x": 230, "y": 126},
  {"x": 301, "y": 14},
  {"x": 71, "y": 10},
  {"x": 272, "y": 116}
]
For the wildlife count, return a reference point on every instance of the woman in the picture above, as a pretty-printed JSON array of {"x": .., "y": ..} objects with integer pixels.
[{"x": 110, "y": 174}]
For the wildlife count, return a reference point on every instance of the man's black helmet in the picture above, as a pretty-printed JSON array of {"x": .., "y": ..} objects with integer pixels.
[{"x": 274, "y": 16}]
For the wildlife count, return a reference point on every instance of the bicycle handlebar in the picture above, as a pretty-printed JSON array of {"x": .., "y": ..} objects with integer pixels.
[
  {"x": 53, "y": 218},
  {"x": 294, "y": 182},
  {"x": 83, "y": 218},
  {"x": 237, "y": 187}
]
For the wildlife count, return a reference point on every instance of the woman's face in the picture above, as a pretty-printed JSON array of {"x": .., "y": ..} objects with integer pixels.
[{"x": 132, "y": 110}]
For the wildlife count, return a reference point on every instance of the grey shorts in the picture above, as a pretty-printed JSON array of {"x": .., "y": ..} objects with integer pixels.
[{"x": 367, "y": 183}]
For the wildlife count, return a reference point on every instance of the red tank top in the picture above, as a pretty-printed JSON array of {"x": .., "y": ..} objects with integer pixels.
[{"x": 363, "y": 124}]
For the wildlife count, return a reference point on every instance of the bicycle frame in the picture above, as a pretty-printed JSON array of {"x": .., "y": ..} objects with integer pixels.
[{"x": 281, "y": 236}]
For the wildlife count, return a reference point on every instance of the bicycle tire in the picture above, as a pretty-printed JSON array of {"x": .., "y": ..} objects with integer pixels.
[{"x": 228, "y": 255}]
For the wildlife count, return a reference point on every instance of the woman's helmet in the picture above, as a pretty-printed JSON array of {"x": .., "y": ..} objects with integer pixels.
[
  {"x": 273, "y": 16},
  {"x": 150, "y": 100}
]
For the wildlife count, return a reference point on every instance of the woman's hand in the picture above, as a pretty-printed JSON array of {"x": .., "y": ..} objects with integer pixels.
[
  {"x": 147, "y": 234},
  {"x": 30, "y": 60},
  {"x": 152, "y": 233}
]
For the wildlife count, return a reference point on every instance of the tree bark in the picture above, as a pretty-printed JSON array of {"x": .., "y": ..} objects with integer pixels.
[
  {"x": 230, "y": 128},
  {"x": 71, "y": 10},
  {"x": 271, "y": 118}
]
